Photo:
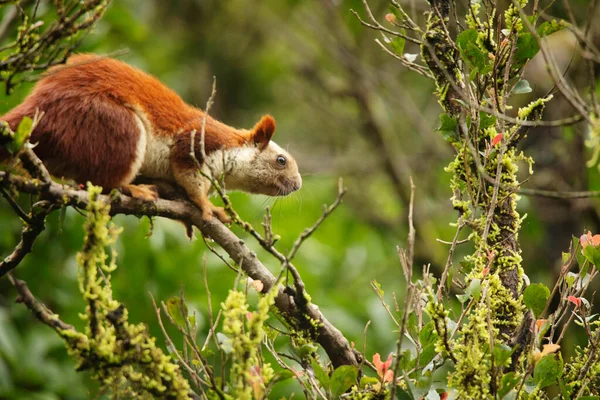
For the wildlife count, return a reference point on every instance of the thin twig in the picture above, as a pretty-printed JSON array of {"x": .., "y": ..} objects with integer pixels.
[
  {"x": 411, "y": 225},
  {"x": 553, "y": 194},
  {"x": 326, "y": 213},
  {"x": 209, "y": 104},
  {"x": 40, "y": 311},
  {"x": 448, "y": 266}
]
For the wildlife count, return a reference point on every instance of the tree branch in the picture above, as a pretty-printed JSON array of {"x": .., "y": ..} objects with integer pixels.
[
  {"x": 328, "y": 336},
  {"x": 39, "y": 309},
  {"x": 28, "y": 236}
]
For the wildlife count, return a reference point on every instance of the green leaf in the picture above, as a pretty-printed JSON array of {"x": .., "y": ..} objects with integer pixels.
[
  {"x": 320, "y": 374},
  {"x": 473, "y": 291},
  {"x": 406, "y": 360},
  {"x": 377, "y": 287},
  {"x": 423, "y": 385},
  {"x": 570, "y": 278},
  {"x": 428, "y": 335},
  {"x": 284, "y": 375},
  {"x": 21, "y": 134},
  {"x": 549, "y": 27},
  {"x": 368, "y": 380},
  {"x": 427, "y": 354},
  {"x": 398, "y": 45},
  {"x": 402, "y": 395},
  {"x": 471, "y": 52},
  {"x": 565, "y": 390},
  {"x": 502, "y": 354},
  {"x": 486, "y": 120},
  {"x": 440, "y": 375},
  {"x": 448, "y": 128},
  {"x": 576, "y": 245},
  {"x": 535, "y": 297},
  {"x": 522, "y": 87},
  {"x": 527, "y": 48},
  {"x": 592, "y": 254},
  {"x": 342, "y": 379},
  {"x": 509, "y": 382},
  {"x": 467, "y": 266},
  {"x": 306, "y": 350},
  {"x": 177, "y": 308},
  {"x": 548, "y": 370},
  {"x": 206, "y": 353}
]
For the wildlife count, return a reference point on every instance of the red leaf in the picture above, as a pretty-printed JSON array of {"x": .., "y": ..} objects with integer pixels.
[
  {"x": 587, "y": 239},
  {"x": 389, "y": 376},
  {"x": 382, "y": 367},
  {"x": 497, "y": 139},
  {"x": 575, "y": 300}
]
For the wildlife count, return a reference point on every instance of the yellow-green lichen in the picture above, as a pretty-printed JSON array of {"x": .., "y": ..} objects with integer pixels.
[
  {"x": 249, "y": 374},
  {"x": 122, "y": 356},
  {"x": 472, "y": 375}
]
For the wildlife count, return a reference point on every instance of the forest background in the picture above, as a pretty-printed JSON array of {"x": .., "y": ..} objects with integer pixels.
[{"x": 344, "y": 108}]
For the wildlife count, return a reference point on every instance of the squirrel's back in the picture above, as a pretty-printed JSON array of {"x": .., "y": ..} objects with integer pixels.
[
  {"x": 97, "y": 109},
  {"x": 91, "y": 77}
]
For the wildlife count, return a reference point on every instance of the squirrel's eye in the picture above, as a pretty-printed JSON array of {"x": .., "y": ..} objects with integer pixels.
[{"x": 281, "y": 161}]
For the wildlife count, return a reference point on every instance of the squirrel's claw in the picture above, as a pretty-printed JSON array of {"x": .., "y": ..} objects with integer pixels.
[
  {"x": 222, "y": 215},
  {"x": 210, "y": 211}
]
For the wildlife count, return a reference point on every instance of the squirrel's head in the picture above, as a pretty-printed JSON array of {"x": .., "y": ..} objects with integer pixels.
[{"x": 262, "y": 166}]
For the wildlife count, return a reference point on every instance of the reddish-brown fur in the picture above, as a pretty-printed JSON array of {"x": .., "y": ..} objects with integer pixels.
[{"x": 89, "y": 130}]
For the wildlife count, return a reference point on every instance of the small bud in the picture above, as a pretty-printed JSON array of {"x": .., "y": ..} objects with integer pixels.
[
  {"x": 539, "y": 323},
  {"x": 258, "y": 285},
  {"x": 391, "y": 18},
  {"x": 491, "y": 56}
]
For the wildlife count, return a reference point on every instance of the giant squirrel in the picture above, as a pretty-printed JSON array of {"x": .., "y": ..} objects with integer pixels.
[{"x": 109, "y": 123}]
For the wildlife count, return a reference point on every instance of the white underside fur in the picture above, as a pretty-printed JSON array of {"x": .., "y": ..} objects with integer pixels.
[{"x": 140, "y": 152}]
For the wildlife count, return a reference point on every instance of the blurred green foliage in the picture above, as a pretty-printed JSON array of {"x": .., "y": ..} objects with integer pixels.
[{"x": 283, "y": 58}]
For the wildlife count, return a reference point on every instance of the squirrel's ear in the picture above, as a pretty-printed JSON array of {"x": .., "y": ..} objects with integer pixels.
[{"x": 263, "y": 131}]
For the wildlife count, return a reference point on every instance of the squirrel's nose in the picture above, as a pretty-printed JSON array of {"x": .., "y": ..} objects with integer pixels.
[{"x": 298, "y": 182}]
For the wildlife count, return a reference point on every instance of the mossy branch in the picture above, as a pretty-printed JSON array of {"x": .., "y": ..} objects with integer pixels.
[{"x": 322, "y": 331}]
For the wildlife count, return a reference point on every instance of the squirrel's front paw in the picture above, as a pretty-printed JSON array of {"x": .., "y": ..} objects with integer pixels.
[{"x": 213, "y": 211}]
